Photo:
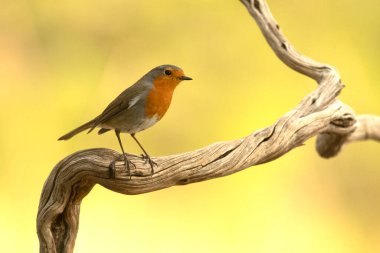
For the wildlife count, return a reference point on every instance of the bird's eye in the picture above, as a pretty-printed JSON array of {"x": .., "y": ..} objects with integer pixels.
[{"x": 168, "y": 72}]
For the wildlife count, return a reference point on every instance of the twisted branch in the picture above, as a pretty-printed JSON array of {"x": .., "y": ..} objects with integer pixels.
[{"x": 319, "y": 113}]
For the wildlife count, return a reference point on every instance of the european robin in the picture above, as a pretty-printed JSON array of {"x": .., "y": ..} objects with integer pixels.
[{"x": 138, "y": 107}]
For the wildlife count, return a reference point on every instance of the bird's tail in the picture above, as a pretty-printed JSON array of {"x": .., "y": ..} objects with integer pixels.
[{"x": 77, "y": 130}]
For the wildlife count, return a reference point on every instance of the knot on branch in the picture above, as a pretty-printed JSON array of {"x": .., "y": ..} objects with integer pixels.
[{"x": 342, "y": 124}]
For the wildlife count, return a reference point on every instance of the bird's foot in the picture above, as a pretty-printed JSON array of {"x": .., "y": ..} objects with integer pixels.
[
  {"x": 150, "y": 161},
  {"x": 128, "y": 165}
]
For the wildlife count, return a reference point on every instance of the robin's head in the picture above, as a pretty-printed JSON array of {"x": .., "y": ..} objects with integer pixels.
[{"x": 168, "y": 75}]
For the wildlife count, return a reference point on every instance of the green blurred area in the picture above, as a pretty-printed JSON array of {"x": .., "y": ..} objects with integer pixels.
[{"x": 62, "y": 62}]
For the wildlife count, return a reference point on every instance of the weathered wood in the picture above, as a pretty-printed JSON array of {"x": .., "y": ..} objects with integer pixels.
[{"x": 319, "y": 113}]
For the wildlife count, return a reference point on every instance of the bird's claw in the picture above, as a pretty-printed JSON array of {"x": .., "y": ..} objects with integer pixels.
[
  {"x": 150, "y": 161},
  {"x": 128, "y": 165}
]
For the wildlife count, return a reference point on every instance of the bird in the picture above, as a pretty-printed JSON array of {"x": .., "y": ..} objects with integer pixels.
[{"x": 137, "y": 108}]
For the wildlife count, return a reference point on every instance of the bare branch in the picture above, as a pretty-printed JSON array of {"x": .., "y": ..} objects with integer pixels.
[
  {"x": 368, "y": 128},
  {"x": 319, "y": 113},
  {"x": 259, "y": 10}
]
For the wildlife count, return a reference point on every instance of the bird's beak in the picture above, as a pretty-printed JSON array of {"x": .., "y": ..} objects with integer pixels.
[{"x": 185, "y": 78}]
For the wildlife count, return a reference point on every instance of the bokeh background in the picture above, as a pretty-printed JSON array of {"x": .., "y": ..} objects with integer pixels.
[{"x": 62, "y": 62}]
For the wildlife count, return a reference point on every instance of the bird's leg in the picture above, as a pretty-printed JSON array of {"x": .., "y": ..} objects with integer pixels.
[
  {"x": 127, "y": 162},
  {"x": 145, "y": 156}
]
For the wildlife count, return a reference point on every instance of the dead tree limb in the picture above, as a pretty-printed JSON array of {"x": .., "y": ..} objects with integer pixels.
[{"x": 319, "y": 113}]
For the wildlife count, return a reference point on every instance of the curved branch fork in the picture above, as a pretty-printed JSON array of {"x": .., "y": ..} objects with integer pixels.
[{"x": 319, "y": 113}]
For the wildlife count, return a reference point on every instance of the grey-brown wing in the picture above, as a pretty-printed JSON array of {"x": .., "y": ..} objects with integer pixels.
[{"x": 123, "y": 102}]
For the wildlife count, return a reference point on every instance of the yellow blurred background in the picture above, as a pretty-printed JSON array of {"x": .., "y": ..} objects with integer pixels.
[{"x": 62, "y": 62}]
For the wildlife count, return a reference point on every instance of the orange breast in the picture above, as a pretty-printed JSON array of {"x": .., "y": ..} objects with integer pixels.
[{"x": 159, "y": 98}]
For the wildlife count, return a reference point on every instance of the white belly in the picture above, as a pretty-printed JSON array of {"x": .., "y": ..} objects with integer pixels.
[
  {"x": 144, "y": 124},
  {"x": 130, "y": 127}
]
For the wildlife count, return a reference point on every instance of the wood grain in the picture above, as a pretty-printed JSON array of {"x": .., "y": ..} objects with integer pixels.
[{"x": 319, "y": 113}]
